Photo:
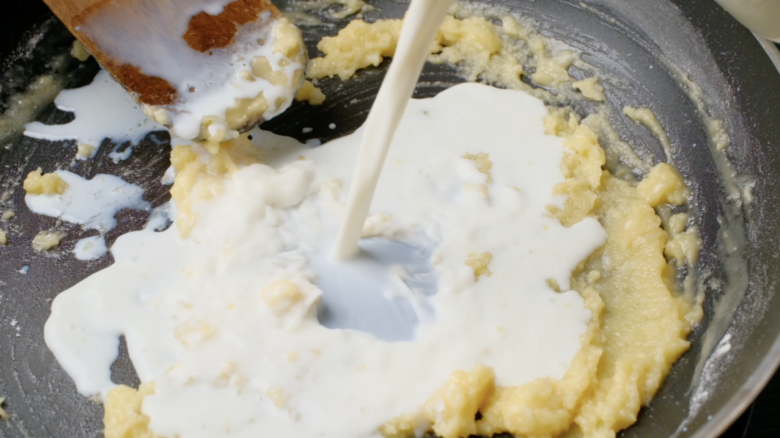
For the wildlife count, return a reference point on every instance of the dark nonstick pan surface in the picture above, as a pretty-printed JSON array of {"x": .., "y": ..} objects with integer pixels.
[{"x": 635, "y": 42}]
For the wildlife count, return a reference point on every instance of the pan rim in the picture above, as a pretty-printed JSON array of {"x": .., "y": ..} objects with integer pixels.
[
  {"x": 756, "y": 383},
  {"x": 771, "y": 50}
]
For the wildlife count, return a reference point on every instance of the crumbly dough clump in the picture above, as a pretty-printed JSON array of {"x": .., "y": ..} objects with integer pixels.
[
  {"x": 84, "y": 151},
  {"x": 79, "y": 52},
  {"x": 38, "y": 183},
  {"x": 663, "y": 185},
  {"x": 311, "y": 94},
  {"x": 201, "y": 179},
  {"x": 123, "y": 417},
  {"x": 479, "y": 48},
  {"x": 47, "y": 240},
  {"x": 591, "y": 89},
  {"x": 480, "y": 264},
  {"x": 483, "y": 163},
  {"x": 474, "y": 42}
]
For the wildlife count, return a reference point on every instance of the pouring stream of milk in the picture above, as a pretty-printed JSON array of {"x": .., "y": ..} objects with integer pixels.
[{"x": 420, "y": 25}]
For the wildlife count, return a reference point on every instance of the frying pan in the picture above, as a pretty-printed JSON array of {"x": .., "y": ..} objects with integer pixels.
[{"x": 648, "y": 47}]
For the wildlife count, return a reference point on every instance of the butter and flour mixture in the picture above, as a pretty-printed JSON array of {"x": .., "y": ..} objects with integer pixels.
[{"x": 554, "y": 311}]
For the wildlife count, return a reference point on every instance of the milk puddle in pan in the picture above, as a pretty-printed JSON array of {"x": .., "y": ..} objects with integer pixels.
[
  {"x": 383, "y": 290},
  {"x": 102, "y": 109},
  {"x": 224, "y": 323},
  {"x": 91, "y": 203}
]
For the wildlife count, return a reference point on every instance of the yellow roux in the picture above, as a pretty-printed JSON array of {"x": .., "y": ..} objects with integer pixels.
[{"x": 639, "y": 324}]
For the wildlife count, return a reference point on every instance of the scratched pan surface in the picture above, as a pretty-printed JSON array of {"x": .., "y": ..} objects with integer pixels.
[{"x": 629, "y": 40}]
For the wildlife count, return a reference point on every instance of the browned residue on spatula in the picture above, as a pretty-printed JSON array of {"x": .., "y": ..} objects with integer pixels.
[
  {"x": 206, "y": 32},
  {"x": 151, "y": 90}
]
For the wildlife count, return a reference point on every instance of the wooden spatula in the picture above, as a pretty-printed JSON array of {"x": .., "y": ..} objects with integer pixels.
[{"x": 159, "y": 49}]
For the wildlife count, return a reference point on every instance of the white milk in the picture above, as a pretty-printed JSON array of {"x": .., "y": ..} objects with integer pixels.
[
  {"x": 225, "y": 361},
  {"x": 90, "y": 203},
  {"x": 102, "y": 109}
]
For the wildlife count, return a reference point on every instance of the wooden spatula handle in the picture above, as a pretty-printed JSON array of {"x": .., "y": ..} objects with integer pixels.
[{"x": 68, "y": 10}]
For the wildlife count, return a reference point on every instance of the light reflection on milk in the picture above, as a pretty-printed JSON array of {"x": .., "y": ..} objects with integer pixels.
[{"x": 192, "y": 310}]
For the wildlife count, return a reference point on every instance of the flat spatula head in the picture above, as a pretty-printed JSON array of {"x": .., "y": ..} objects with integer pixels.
[{"x": 189, "y": 62}]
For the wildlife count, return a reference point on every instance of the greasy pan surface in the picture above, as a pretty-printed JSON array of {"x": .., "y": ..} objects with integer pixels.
[{"x": 631, "y": 41}]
